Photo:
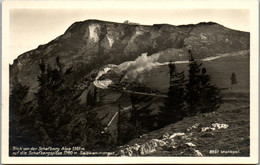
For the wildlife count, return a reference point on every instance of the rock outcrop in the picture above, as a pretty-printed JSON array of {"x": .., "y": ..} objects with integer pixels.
[{"x": 176, "y": 144}]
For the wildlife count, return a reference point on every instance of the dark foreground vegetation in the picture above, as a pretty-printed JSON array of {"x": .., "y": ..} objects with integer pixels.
[{"x": 55, "y": 117}]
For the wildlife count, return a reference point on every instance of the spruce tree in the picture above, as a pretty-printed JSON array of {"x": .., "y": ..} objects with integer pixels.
[
  {"x": 139, "y": 121},
  {"x": 174, "y": 105},
  {"x": 141, "y": 117},
  {"x": 233, "y": 79},
  {"x": 126, "y": 130},
  {"x": 92, "y": 98},
  {"x": 210, "y": 98},
  {"x": 82, "y": 128},
  {"x": 51, "y": 100},
  {"x": 201, "y": 96},
  {"x": 193, "y": 86},
  {"x": 18, "y": 114},
  {"x": 60, "y": 119}
]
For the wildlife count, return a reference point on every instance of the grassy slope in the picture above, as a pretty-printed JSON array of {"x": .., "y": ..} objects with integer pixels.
[{"x": 234, "y": 138}]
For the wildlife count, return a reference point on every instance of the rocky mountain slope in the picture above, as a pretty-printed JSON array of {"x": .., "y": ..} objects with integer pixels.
[
  {"x": 221, "y": 133},
  {"x": 92, "y": 44}
]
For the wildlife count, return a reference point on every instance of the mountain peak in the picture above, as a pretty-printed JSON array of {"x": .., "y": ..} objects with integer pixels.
[
  {"x": 91, "y": 44},
  {"x": 135, "y": 23}
]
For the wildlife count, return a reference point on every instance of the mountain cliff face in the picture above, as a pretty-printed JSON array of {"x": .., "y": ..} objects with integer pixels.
[{"x": 92, "y": 44}]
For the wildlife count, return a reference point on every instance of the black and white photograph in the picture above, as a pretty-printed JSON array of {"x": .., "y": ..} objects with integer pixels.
[{"x": 130, "y": 82}]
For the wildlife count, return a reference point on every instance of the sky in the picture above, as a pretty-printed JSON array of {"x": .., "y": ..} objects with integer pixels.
[{"x": 29, "y": 28}]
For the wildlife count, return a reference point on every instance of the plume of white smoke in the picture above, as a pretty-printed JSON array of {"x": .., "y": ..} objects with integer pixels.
[
  {"x": 103, "y": 71},
  {"x": 133, "y": 69}
]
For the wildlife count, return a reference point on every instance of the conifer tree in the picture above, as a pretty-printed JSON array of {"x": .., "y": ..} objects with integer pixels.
[
  {"x": 18, "y": 111},
  {"x": 139, "y": 121},
  {"x": 201, "y": 96},
  {"x": 174, "y": 105},
  {"x": 126, "y": 130},
  {"x": 141, "y": 117},
  {"x": 60, "y": 119},
  {"x": 92, "y": 98},
  {"x": 210, "y": 98},
  {"x": 233, "y": 79},
  {"x": 51, "y": 100},
  {"x": 82, "y": 128},
  {"x": 193, "y": 87}
]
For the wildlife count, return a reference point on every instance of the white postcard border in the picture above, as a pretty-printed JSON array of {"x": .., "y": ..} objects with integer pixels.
[{"x": 187, "y": 4}]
